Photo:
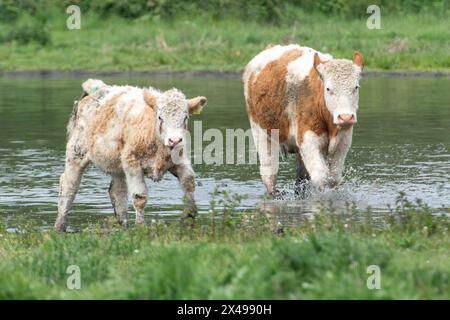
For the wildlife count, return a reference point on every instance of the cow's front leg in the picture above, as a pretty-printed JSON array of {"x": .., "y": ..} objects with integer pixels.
[
  {"x": 139, "y": 192},
  {"x": 119, "y": 198},
  {"x": 311, "y": 151},
  {"x": 337, "y": 151},
  {"x": 336, "y": 162},
  {"x": 186, "y": 177}
]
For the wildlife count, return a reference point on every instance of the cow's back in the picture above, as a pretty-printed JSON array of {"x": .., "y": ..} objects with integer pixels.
[{"x": 272, "y": 86}]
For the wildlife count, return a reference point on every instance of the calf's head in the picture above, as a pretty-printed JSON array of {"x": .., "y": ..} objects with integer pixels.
[
  {"x": 172, "y": 111},
  {"x": 340, "y": 79}
]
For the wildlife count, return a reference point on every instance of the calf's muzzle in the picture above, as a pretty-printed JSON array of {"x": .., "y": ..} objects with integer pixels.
[{"x": 174, "y": 141}]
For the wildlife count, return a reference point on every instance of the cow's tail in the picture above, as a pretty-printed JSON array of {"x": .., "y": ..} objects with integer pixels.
[{"x": 89, "y": 86}]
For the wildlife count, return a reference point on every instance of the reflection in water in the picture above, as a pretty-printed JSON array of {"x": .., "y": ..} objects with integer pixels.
[{"x": 401, "y": 144}]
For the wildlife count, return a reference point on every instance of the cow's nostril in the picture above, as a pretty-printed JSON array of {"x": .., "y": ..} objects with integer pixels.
[{"x": 346, "y": 117}]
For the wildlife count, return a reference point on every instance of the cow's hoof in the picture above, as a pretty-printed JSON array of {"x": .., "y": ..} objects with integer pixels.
[
  {"x": 301, "y": 188},
  {"x": 277, "y": 194}
]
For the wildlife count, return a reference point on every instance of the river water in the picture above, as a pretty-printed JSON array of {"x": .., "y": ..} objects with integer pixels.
[{"x": 401, "y": 144}]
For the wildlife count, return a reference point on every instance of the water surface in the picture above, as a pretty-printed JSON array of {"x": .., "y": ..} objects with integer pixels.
[{"x": 401, "y": 144}]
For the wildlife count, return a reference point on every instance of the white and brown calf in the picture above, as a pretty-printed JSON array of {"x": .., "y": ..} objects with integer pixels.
[
  {"x": 129, "y": 133},
  {"x": 312, "y": 100}
]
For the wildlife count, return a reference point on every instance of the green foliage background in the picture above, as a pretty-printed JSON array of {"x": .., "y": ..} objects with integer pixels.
[{"x": 415, "y": 33}]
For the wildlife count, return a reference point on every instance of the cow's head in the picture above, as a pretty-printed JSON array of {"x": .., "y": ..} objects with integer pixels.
[
  {"x": 340, "y": 79},
  {"x": 172, "y": 113}
]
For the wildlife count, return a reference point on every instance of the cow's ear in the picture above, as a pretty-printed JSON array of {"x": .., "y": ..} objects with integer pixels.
[
  {"x": 196, "y": 105},
  {"x": 149, "y": 99},
  {"x": 317, "y": 60},
  {"x": 358, "y": 59}
]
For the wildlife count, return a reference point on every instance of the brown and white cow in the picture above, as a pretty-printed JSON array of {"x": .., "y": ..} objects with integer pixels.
[
  {"x": 129, "y": 133},
  {"x": 311, "y": 99}
]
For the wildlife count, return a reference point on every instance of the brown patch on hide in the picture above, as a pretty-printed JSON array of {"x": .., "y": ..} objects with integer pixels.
[
  {"x": 266, "y": 100},
  {"x": 103, "y": 116}
]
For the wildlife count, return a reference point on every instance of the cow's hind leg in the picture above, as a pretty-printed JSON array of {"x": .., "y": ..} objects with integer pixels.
[
  {"x": 69, "y": 184},
  {"x": 268, "y": 151},
  {"x": 119, "y": 198},
  {"x": 302, "y": 177},
  {"x": 139, "y": 192}
]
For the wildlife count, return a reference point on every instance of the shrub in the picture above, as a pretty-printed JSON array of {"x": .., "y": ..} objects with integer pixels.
[{"x": 27, "y": 30}]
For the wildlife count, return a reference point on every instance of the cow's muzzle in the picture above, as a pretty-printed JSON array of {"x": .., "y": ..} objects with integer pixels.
[{"x": 346, "y": 119}]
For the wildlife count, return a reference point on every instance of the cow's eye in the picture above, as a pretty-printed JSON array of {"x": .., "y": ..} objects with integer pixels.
[
  {"x": 159, "y": 118},
  {"x": 329, "y": 91}
]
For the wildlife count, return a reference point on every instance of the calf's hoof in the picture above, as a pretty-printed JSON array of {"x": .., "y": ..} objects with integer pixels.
[
  {"x": 140, "y": 221},
  {"x": 123, "y": 223},
  {"x": 190, "y": 211},
  {"x": 60, "y": 227}
]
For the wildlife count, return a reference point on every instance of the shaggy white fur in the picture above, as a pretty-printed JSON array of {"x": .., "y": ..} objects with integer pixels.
[{"x": 121, "y": 133}]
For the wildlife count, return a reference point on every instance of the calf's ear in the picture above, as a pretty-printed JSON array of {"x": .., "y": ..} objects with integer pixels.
[
  {"x": 196, "y": 105},
  {"x": 149, "y": 99},
  {"x": 358, "y": 59}
]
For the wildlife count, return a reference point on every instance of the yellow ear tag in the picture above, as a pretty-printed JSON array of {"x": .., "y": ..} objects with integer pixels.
[{"x": 197, "y": 110}]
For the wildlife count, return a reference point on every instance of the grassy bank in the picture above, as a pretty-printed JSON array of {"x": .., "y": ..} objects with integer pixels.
[
  {"x": 205, "y": 40},
  {"x": 245, "y": 257}
]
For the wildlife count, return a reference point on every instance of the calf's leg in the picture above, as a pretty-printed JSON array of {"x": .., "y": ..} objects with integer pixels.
[
  {"x": 69, "y": 184},
  {"x": 119, "y": 198},
  {"x": 186, "y": 177},
  {"x": 139, "y": 192}
]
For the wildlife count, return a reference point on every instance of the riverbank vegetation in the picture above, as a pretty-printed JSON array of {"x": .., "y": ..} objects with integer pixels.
[
  {"x": 332, "y": 255},
  {"x": 217, "y": 35}
]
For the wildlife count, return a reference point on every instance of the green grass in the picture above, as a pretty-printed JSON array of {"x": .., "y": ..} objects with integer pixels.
[
  {"x": 419, "y": 41},
  {"x": 224, "y": 257}
]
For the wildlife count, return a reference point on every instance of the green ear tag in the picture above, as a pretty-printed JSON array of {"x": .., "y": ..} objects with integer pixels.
[{"x": 94, "y": 88}]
